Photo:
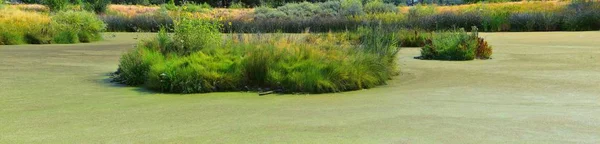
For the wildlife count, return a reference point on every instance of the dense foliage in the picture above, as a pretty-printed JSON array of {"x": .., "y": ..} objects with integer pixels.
[
  {"x": 351, "y": 14},
  {"x": 194, "y": 59},
  {"x": 56, "y": 5},
  {"x": 21, "y": 27},
  {"x": 97, "y": 6},
  {"x": 534, "y": 16},
  {"x": 456, "y": 45}
]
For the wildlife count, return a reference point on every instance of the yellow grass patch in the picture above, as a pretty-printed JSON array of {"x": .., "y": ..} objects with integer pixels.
[{"x": 15, "y": 19}]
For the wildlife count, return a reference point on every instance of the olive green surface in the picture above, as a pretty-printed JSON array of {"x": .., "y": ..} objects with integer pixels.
[{"x": 538, "y": 88}]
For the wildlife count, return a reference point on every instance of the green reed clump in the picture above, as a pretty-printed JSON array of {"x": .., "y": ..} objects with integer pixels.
[
  {"x": 413, "y": 38},
  {"x": 378, "y": 6},
  {"x": 150, "y": 22},
  {"x": 85, "y": 25},
  {"x": 62, "y": 27},
  {"x": 456, "y": 45},
  {"x": 287, "y": 64}
]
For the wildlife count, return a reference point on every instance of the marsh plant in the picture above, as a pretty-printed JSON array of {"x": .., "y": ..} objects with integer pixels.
[
  {"x": 22, "y": 27},
  {"x": 456, "y": 45},
  {"x": 189, "y": 61}
]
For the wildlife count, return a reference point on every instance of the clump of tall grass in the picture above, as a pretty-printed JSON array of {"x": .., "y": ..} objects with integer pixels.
[
  {"x": 16, "y": 24},
  {"x": 84, "y": 25},
  {"x": 147, "y": 22},
  {"x": 250, "y": 62},
  {"x": 21, "y": 27},
  {"x": 192, "y": 35},
  {"x": 413, "y": 38},
  {"x": 378, "y": 6},
  {"x": 536, "y": 21},
  {"x": 456, "y": 45}
]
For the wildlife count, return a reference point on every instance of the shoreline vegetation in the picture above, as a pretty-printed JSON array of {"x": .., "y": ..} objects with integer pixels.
[
  {"x": 339, "y": 16},
  {"x": 343, "y": 15}
]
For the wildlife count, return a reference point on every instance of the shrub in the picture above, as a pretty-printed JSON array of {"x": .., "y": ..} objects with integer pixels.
[
  {"x": 97, "y": 6},
  {"x": 484, "y": 51},
  {"x": 39, "y": 35},
  {"x": 456, "y": 45},
  {"x": 421, "y": 10},
  {"x": 352, "y": 7},
  {"x": 237, "y": 5},
  {"x": 135, "y": 65},
  {"x": 299, "y": 10},
  {"x": 67, "y": 36},
  {"x": 11, "y": 38},
  {"x": 330, "y": 9},
  {"x": 191, "y": 7},
  {"x": 56, "y": 5},
  {"x": 85, "y": 25},
  {"x": 192, "y": 35},
  {"x": 20, "y": 27},
  {"x": 138, "y": 23},
  {"x": 450, "y": 46},
  {"x": 377, "y": 6}
]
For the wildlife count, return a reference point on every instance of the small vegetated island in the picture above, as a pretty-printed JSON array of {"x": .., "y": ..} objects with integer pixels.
[{"x": 197, "y": 59}]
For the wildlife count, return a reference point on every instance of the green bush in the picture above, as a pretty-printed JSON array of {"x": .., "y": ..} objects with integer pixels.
[
  {"x": 455, "y": 45},
  {"x": 377, "y": 6},
  {"x": 11, "y": 38},
  {"x": 421, "y": 10},
  {"x": 352, "y": 7},
  {"x": 67, "y": 36},
  {"x": 413, "y": 38},
  {"x": 97, "y": 6},
  {"x": 192, "y": 7},
  {"x": 299, "y": 10},
  {"x": 138, "y": 23},
  {"x": 135, "y": 65},
  {"x": 192, "y": 35},
  {"x": 56, "y": 5},
  {"x": 237, "y": 5},
  {"x": 85, "y": 25}
]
